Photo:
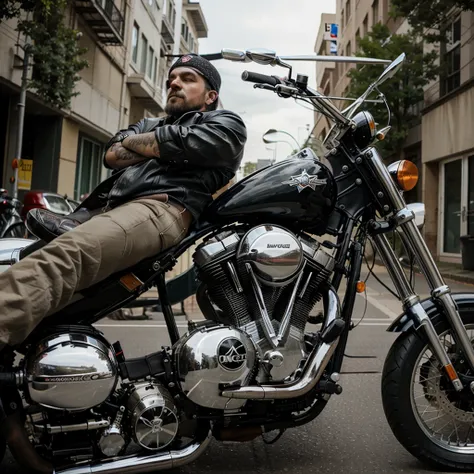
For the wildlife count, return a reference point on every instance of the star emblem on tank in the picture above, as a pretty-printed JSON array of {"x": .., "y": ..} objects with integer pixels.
[{"x": 305, "y": 180}]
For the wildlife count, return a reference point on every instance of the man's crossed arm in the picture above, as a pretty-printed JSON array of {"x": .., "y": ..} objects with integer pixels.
[{"x": 132, "y": 150}]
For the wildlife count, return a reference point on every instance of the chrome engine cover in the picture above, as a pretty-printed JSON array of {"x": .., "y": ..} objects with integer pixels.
[
  {"x": 154, "y": 419},
  {"x": 213, "y": 356},
  {"x": 275, "y": 254},
  {"x": 71, "y": 371}
]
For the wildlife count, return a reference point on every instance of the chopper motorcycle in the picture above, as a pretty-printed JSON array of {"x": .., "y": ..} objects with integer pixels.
[{"x": 252, "y": 366}]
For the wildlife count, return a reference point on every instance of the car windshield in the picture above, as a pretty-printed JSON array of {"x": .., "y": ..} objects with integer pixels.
[{"x": 57, "y": 204}]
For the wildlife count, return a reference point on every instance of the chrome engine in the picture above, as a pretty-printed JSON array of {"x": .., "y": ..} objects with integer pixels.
[
  {"x": 69, "y": 377},
  {"x": 63, "y": 364},
  {"x": 261, "y": 285}
]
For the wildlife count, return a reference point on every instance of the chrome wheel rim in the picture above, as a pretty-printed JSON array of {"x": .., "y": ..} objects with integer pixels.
[{"x": 446, "y": 417}]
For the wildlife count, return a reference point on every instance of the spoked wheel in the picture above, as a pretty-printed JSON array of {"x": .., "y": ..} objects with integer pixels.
[{"x": 427, "y": 415}]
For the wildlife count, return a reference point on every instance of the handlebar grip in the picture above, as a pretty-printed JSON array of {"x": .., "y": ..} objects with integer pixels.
[{"x": 250, "y": 76}]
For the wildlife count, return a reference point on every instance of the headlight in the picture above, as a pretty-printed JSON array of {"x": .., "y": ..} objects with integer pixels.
[
  {"x": 364, "y": 132},
  {"x": 404, "y": 173}
]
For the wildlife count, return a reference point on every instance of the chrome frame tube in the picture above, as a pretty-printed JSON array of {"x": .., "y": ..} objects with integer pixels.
[
  {"x": 146, "y": 462},
  {"x": 285, "y": 322},
  {"x": 267, "y": 324},
  {"x": 439, "y": 290},
  {"x": 395, "y": 270}
]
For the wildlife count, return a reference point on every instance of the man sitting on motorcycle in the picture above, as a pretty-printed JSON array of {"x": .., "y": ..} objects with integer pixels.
[{"x": 166, "y": 171}]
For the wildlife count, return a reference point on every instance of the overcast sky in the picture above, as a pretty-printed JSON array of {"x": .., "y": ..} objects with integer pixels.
[{"x": 288, "y": 27}]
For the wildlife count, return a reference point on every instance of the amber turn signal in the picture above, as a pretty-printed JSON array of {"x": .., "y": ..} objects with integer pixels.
[
  {"x": 360, "y": 287},
  {"x": 407, "y": 175}
]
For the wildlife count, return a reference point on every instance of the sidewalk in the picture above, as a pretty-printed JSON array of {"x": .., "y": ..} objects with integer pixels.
[{"x": 451, "y": 271}]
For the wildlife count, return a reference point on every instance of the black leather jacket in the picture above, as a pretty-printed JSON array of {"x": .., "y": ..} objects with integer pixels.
[{"x": 199, "y": 154}]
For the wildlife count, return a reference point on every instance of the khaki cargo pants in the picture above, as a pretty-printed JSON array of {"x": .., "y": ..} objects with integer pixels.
[{"x": 46, "y": 280}]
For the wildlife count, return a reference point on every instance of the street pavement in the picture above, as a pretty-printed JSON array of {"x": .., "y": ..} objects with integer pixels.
[{"x": 350, "y": 436}]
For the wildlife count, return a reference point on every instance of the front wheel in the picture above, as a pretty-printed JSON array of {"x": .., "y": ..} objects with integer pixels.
[{"x": 428, "y": 417}]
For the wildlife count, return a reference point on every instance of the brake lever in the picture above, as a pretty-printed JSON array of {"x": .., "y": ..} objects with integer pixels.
[{"x": 267, "y": 87}]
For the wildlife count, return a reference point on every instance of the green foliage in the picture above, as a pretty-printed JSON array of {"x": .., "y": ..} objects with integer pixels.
[
  {"x": 404, "y": 92},
  {"x": 249, "y": 167},
  {"x": 428, "y": 18},
  {"x": 54, "y": 48}
]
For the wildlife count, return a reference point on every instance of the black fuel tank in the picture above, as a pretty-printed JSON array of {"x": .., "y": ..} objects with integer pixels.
[{"x": 298, "y": 193}]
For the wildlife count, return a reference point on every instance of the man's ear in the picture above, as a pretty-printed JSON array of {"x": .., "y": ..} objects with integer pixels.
[{"x": 211, "y": 97}]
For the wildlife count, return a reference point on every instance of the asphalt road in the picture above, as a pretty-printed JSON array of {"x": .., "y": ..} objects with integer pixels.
[{"x": 350, "y": 436}]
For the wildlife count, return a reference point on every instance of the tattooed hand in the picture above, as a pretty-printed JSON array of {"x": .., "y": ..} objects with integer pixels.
[{"x": 144, "y": 143}]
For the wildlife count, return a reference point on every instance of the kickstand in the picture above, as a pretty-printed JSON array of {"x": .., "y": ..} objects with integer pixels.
[{"x": 275, "y": 439}]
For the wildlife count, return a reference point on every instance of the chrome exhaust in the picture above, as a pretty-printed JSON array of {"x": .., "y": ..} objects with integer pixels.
[
  {"x": 311, "y": 374},
  {"x": 138, "y": 464}
]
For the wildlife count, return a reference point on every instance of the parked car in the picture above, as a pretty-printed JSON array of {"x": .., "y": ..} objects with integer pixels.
[{"x": 45, "y": 200}]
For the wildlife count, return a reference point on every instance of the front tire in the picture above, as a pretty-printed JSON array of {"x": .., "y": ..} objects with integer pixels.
[{"x": 418, "y": 400}]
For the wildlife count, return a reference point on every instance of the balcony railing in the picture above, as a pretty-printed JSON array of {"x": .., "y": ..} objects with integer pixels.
[
  {"x": 105, "y": 19},
  {"x": 167, "y": 30}
]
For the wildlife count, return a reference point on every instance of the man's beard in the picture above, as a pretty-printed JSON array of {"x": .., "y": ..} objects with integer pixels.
[{"x": 179, "y": 108}]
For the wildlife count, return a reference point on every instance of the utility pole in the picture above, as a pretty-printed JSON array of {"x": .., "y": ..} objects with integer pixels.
[{"x": 21, "y": 117}]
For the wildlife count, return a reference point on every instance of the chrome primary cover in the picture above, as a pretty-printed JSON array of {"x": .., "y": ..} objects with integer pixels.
[
  {"x": 72, "y": 371},
  {"x": 274, "y": 253},
  {"x": 210, "y": 358}
]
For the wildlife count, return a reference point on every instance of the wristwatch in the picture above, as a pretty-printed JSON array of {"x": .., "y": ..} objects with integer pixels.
[{"x": 120, "y": 137}]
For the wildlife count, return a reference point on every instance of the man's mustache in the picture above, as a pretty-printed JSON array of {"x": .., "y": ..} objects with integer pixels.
[{"x": 176, "y": 94}]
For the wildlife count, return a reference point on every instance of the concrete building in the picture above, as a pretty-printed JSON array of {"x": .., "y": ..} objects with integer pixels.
[
  {"x": 127, "y": 42},
  {"x": 448, "y": 144},
  {"x": 442, "y": 144}
]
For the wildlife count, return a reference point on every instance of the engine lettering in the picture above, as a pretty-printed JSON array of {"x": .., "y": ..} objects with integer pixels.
[
  {"x": 231, "y": 354},
  {"x": 278, "y": 246}
]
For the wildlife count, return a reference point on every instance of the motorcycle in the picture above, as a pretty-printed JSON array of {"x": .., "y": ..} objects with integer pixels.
[
  {"x": 253, "y": 366},
  {"x": 11, "y": 223}
]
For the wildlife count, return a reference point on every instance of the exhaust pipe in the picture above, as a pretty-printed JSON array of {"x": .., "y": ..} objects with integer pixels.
[
  {"x": 142, "y": 463},
  {"x": 313, "y": 369},
  {"x": 22, "y": 450}
]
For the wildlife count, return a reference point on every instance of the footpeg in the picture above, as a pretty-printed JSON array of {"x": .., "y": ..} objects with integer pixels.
[
  {"x": 330, "y": 387},
  {"x": 333, "y": 331}
]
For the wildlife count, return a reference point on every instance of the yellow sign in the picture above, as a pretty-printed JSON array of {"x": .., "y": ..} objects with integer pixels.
[{"x": 25, "y": 173}]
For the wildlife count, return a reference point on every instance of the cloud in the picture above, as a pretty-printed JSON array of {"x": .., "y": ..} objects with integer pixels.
[{"x": 264, "y": 24}]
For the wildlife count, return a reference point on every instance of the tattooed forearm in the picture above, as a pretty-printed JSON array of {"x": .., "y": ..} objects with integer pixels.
[
  {"x": 124, "y": 154},
  {"x": 144, "y": 143},
  {"x": 118, "y": 156}
]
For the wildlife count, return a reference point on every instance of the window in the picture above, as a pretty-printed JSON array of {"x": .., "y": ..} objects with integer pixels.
[
  {"x": 357, "y": 39},
  {"x": 135, "y": 33},
  {"x": 375, "y": 12},
  {"x": 89, "y": 166},
  {"x": 144, "y": 47},
  {"x": 349, "y": 49},
  {"x": 155, "y": 66},
  {"x": 452, "y": 58},
  {"x": 342, "y": 20},
  {"x": 149, "y": 70},
  {"x": 365, "y": 25},
  {"x": 191, "y": 44},
  {"x": 348, "y": 11}
]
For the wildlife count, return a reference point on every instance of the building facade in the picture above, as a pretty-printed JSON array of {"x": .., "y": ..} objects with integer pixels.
[
  {"x": 128, "y": 46},
  {"x": 442, "y": 144}
]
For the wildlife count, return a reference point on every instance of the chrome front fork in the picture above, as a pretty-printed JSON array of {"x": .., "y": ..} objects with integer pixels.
[{"x": 439, "y": 290}]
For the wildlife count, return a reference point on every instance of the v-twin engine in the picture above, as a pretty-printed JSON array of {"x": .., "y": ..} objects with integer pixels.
[{"x": 264, "y": 282}]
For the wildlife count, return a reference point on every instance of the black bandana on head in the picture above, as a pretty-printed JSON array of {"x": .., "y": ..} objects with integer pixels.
[{"x": 203, "y": 66}]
